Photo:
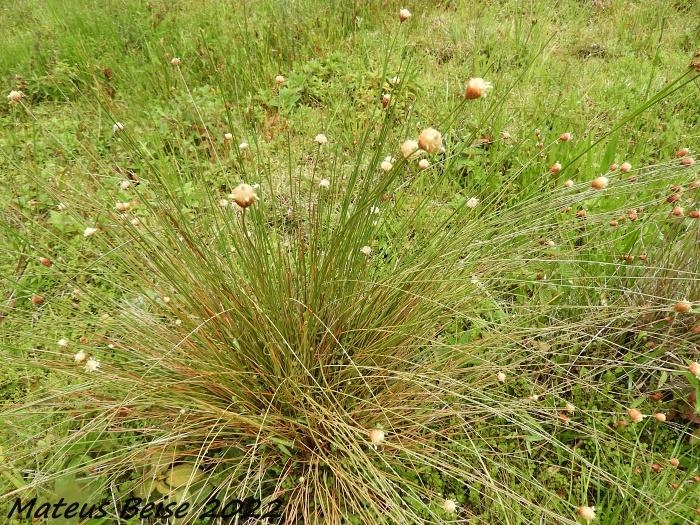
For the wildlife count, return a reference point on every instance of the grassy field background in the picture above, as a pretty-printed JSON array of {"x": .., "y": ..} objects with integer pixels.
[{"x": 253, "y": 352}]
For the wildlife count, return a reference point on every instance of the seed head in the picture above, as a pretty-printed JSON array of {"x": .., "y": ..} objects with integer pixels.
[
  {"x": 569, "y": 183},
  {"x": 386, "y": 164},
  {"x": 694, "y": 214},
  {"x": 625, "y": 167},
  {"x": 682, "y": 152},
  {"x": 244, "y": 195},
  {"x": 449, "y": 505},
  {"x": 501, "y": 376},
  {"x": 570, "y": 408},
  {"x": 600, "y": 183},
  {"x": 424, "y": 164},
  {"x": 135, "y": 221},
  {"x": 660, "y": 417},
  {"x": 386, "y": 99},
  {"x": 45, "y": 261},
  {"x": 477, "y": 88},
  {"x": 125, "y": 184},
  {"x": 321, "y": 139},
  {"x": 587, "y": 513},
  {"x": 89, "y": 231},
  {"x": 175, "y": 62},
  {"x": 694, "y": 368},
  {"x": 687, "y": 161},
  {"x": 63, "y": 342},
  {"x": 404, "y": 14},
  {"x": 565, "y": 137},
  {"x": 472, "y": 203},
  {"x": 122, "y": 206},
  {"x": 683, "y": 307},
  {"x": 376, "y": 436},
  {"x": 366, "y": 250},
  {"x": 430, "y": 140},
  {"x": 581, "y": 214},
  {"x": 80, "y": 356},
  {"x": 228, "y": 137},
  {"x": 279, "y": 80},
  {"x": 92, "y": 365},
  {"x": 324, "y": 183},
  {"x": 15, "y": 96},
  {"x": 635, "y": 415},
  {"x": 556, "y": 168},
  {"x": 678, "y": 211},
  {"x": 409, "y": 149},
  {"x": 118, "y": 126},
  {"x": 613, "y": 167},
  {"x": 613, "y": 223},
  {"x": 674, "y": 462}
]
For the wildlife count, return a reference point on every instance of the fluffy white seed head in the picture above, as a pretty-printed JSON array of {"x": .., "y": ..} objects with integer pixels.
[
  {"x": 176, "y": 61},
  {"x": 430, "y": 140},
  {"x": 244, "y": 195},
  {"x": 324, "y": 183},
  {"x": 477, "y": 88},
  {"x": 600, "y": 183},
  {"x": 424, "y": 164},
  {"x": 635, "y": 415},
  {"x": 409, "y": 148},
  {"x": 92, "y": 365},
  {"x": 321, "y": 139},
  {"x": 89, "y": 231},
  {"x": 694, "y": 368},
  {"x": 587, "y": 513},
  {"x": 80, "y": 356},
  {"x": 449, "y": 505},
  {"x": 15, "y": 96},
  {"x": 376, "y": 436},
  {"x": 683, "y": 307}
]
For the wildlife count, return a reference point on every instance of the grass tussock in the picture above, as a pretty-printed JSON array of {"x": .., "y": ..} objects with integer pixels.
[{"x": 360, "y": 332}]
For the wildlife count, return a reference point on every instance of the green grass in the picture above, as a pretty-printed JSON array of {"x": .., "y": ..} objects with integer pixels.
[{"x": 252, "y": 352}]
